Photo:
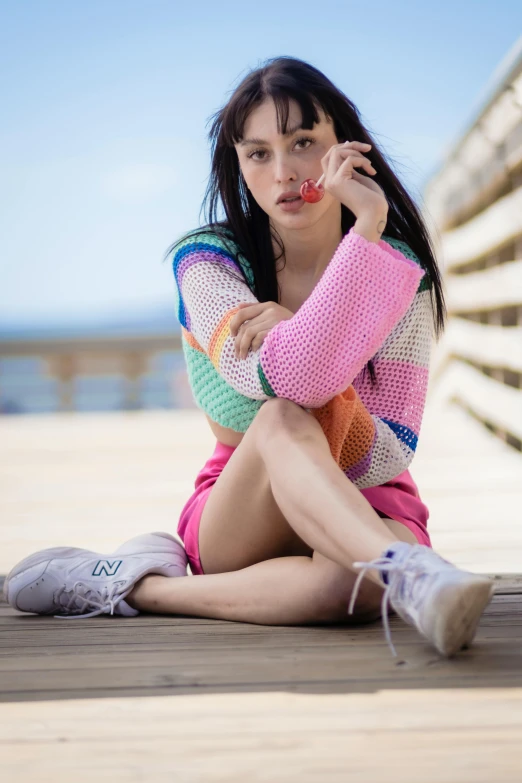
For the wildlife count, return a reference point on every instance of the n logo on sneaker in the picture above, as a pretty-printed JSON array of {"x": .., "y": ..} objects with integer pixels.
[{"x": 107, "y": 568}]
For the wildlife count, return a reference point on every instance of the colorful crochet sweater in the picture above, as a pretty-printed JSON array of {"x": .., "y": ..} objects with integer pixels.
[{"x": 371, "y": 302}]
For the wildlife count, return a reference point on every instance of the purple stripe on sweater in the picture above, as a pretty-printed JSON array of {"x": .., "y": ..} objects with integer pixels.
[
  {"x": 361, "y": 467},
  {"x": 196, "y": 258}
]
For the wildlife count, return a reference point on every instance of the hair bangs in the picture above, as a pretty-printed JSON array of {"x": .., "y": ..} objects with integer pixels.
[{"x": 281, "y": 91}]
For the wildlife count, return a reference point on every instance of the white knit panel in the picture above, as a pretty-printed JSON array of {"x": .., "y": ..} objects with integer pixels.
[
  {"x": 390, "y": 457},
  {"x": 411, "y": 338},
  {"x": 210, "y": 289}
]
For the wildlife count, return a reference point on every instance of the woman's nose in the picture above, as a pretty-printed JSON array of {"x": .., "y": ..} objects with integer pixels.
[{"x": 284, "y": 172}]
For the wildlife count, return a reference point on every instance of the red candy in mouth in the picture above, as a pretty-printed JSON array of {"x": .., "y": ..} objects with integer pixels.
[{"x": 312, "y": 191}]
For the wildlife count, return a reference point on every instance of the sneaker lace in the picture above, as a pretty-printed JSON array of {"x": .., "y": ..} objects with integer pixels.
[
  {"x": 413, "y": 573},
  {"x": 80, "y": 597}
]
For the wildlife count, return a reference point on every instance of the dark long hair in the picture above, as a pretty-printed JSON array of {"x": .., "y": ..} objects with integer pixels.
[{"x": 284, "y": 79}]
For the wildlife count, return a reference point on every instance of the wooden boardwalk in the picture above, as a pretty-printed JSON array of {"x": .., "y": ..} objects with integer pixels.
[{"x": 187, "y": 699}]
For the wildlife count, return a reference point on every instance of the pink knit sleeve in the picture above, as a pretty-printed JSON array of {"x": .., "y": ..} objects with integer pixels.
[{"x": 365, "y": 290}]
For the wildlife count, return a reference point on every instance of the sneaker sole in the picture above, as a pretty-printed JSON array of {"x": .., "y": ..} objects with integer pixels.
[{"x": 457, "y": 627}]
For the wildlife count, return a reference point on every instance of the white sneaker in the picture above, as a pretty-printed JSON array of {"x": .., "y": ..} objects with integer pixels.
[
  {"x": 72, "y": 581},
  {"x": 442, "y": 601}
]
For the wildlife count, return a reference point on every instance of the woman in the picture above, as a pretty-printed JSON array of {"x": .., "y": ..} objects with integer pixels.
[{"x": 306, "y": 330}]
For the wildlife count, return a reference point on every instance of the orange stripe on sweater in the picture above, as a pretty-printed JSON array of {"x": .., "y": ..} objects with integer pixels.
[
  {"x": 348, "y": 427},
  {"x": 191, "y": 340},
  {"x": 220, "y": 334}
]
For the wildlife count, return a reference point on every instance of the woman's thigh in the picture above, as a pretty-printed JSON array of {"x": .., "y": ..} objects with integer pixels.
[{"x": 241, "y": 523}]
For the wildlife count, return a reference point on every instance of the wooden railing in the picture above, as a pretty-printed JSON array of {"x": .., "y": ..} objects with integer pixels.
[
  {"x": 479, "y": 359},
  {"x": 68, "y": 358},
  {"x": 474, "y": 210}
]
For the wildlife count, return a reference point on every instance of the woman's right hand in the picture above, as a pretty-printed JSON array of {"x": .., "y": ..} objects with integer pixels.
[{"x": 359, "y": 193}]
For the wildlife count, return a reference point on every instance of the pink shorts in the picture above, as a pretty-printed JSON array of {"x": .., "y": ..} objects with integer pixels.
[{"x": 397, "y": 499}]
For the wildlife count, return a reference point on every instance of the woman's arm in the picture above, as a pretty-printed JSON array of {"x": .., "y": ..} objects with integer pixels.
[
  {"x": 309, "y": 358},
  {"x": 372, "y": 428},
  {"x": 371, "y": 227},
  {"x": 363, "y": 293}
]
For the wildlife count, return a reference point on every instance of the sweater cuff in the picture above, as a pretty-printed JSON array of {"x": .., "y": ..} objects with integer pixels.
[{"x": 383, "y": 245}]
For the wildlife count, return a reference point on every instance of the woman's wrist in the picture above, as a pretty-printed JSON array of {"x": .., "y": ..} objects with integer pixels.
[{"x": 371, "y": 226}]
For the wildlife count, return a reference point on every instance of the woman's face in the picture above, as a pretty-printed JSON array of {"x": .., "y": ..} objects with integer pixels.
[{"x": 273, "y": 164}]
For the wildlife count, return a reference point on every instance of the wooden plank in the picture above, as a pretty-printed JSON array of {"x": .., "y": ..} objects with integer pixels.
[
  {"x": 507, "y": 584},
  {"x": 183, "y": 655},
  {"x": 407, "y": 737}
]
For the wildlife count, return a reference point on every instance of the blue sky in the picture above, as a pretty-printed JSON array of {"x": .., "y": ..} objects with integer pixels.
[{"x": 104, "y": 154}]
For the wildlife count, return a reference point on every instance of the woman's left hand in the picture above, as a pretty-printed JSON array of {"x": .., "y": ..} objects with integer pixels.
[{"x": 253, "y": 322}]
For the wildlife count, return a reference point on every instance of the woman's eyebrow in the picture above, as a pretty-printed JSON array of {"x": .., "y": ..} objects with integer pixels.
[{"x": 289, "y": 132}]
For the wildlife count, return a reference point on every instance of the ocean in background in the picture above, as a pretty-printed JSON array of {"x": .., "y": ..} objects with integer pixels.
[{"x": 26, "y": 386}]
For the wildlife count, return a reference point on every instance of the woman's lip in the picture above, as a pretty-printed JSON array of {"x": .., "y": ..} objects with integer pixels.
[
  {"x": 289, "y": 194},
  {"x": 291, "y": 206}
]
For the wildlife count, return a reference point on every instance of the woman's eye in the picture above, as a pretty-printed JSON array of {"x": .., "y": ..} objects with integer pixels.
[
  {"x": 302, "y": 140},
  {"x": 256, "y": 152},
  {"x": 312, "y": 141}
]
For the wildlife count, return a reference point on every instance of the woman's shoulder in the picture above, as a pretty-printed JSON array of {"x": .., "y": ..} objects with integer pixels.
[{"x": 218, "y": 240}]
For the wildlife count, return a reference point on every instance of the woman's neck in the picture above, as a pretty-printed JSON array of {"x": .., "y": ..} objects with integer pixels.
[{"x": 308, "y": 251}]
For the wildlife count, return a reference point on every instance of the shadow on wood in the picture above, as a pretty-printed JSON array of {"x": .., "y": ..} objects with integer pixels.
[{"x": 43, "y": 658}]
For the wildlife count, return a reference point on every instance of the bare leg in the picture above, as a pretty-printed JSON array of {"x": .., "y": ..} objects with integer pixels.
[
  {"x": 318, "y": 500},
  {"x": 321, "y": 505},
  {"x": 283, "y": 591}
]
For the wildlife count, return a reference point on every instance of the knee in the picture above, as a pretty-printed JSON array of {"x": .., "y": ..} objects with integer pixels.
[{"x": 279, "y": 415}]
